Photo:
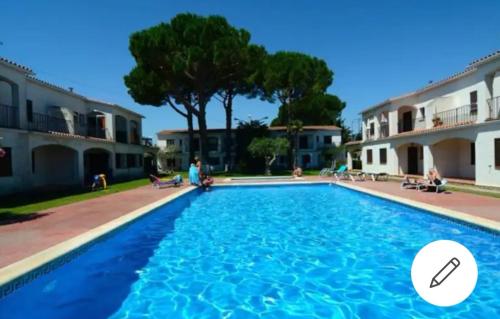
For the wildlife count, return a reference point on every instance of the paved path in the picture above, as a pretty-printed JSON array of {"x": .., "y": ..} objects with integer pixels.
[{"x": 18, "y": 241}]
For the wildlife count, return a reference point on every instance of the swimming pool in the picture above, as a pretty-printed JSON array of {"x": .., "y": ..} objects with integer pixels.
[{"x": 301, "y": 251}]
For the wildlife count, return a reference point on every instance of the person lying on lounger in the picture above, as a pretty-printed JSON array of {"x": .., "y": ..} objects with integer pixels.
[
  {"x": 433, "y": 180},
  {"x": 156, "y": 182}
]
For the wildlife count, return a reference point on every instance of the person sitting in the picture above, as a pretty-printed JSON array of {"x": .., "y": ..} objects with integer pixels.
[
  {"x": 99, "y": 182},
  {"x": 194, "y": 175},
  {"x": 297, "y": 172},
  {"x": 206, "y": 181}
]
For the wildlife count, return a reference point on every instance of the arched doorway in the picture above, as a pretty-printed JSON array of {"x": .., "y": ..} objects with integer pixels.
[
  {"x": 54, "y": 165},
  {"x": 97, "y": 161},
  {"x": 410, "y": 159},
  {"x": 455, "y": 158}
]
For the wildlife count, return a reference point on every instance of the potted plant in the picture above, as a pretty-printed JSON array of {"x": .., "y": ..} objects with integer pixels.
[{"x": 437, "y": 121}]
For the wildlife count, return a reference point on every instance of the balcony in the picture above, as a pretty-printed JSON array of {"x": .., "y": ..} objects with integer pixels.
[
  {"x": 47, "y": 124},
  {"x": 461, "y": 115},
  {"x": 494, "y": 108},
  {"x": 9, "y": 116}
]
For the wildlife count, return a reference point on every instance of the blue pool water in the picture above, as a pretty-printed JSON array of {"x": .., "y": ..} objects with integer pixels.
[{"x": 314, "y": 251}]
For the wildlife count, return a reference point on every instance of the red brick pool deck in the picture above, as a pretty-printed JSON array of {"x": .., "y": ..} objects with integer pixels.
[{"x": 21, "y": 240}]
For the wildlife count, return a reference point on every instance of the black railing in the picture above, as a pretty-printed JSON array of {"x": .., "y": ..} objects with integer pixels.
[
  {"x": 9, "y": 116},
  {"x": 46, "y": 123},
  {"x": 460, "y": 115},
  {"x": 404, "y": 126},
  {"x": 494, "y": 108}
]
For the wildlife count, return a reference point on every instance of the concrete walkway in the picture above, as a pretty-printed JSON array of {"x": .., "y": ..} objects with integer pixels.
[{"x": 18, "y": 241}]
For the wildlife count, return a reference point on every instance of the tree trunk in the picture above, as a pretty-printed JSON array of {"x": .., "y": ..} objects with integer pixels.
[
  {"x": 202, "y": 127},
  {"x": 190, "y": 136},
  {"x": 228, "y": 140}
]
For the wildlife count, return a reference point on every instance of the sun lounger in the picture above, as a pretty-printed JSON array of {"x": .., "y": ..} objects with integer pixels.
[
  {"x": 407, "y": 183},
  {"x": 331, "y": 171},
  {"x": 158, "y": 183},
  {"x": 379, "y": 176},
  {"x": 428, "y": 185},
  {"x": 341, "y": 173},
  {"x": 357, "y": 177}
]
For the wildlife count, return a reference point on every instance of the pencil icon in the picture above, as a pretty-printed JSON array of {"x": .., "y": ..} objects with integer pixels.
[{"x": 445, "y": 272}]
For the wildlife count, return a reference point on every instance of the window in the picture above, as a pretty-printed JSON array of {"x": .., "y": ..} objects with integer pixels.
[
  {"x": 422, "y": 112},
  {"x": 473, "y": 102},
  {"x": 121, "y": 129},
  {"x": 131, "y": 160},
  {"x": 170, "y": 142},
  {"x": 180, "y": 142},
  {"x": 6, "y": 162},
  {"x": 134, "y": 132},
  {"x": 383, "y": 155},
  {"x": 369, "y": 156},
  {"x": 303, "y": 142},
  {"x": 497, "y": 153},
  {"x": 33, "y": 162},
  {"x": 140, "y": 160},
  {"x": 213, "y": 144},
  {"x": 120, "y": 161},
  {"x": 327, "y": 139},
  {"x": 472, "y": 153},
  {"x": 29, "y": 110},
  {"x": 372, "y": 129}
]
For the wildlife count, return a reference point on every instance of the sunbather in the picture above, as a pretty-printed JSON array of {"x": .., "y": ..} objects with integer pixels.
[
  {"x": 156, "y": 182},
  {"x": 297, "y": 172},
  {"x": 434, "y": 180}
]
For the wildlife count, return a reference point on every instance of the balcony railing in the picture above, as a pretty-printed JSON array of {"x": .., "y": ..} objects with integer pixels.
[
  {"x": 9, "y": 116},
  {"x": 46, "y": 123},
  {"x": 460, "y": 115},
  {"x": 406, "y": 126},
  {"x": 494, "y": 108}
]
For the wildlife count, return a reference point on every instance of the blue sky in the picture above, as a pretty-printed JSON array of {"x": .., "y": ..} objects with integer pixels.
[{"x": 377, "y": 49}]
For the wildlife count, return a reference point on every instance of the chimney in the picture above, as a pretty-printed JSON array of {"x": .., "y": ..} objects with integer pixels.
[{"x": 70, "y": 89}]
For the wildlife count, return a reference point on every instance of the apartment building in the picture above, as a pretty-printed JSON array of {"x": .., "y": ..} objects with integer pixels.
[
  {"x": 52, "y": 137},
  {"x": 312, "y": 141},
  {"x": 452, "y": 125}
]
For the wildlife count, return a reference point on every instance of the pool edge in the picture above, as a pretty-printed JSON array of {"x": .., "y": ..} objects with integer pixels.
[
  {"x": 21, "y": 267},
  {"x": 438, "y": 210}
]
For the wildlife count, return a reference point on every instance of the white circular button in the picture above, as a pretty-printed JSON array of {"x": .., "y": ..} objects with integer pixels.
[{"x": 444, "y": 273}]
